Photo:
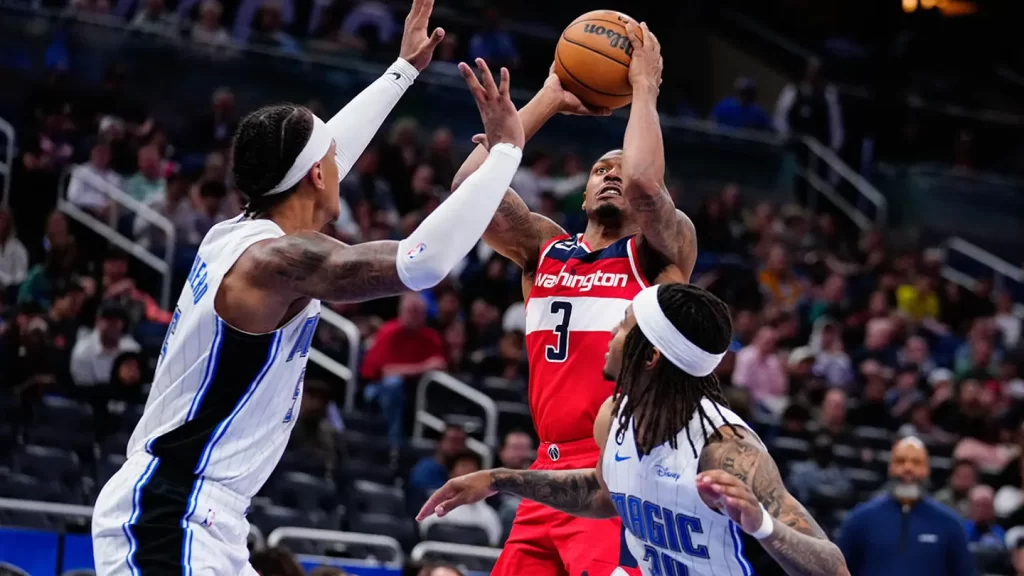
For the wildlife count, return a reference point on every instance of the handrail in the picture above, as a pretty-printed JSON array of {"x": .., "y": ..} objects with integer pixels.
[
  {"x": 424, "y": 418},
  {"x": 348, "y": 373},
  {"x": 164, "y": 267},
  {"x": 424, "y": 548},
  {"x": 987, "y": 258},
  {"x": 6, "y": 163},
  {"x": 284, "y": 532},
  {"x": 844, "y": 206},
  {"x": 475, "y": 396},
  {"x": 856, "y": 180}
]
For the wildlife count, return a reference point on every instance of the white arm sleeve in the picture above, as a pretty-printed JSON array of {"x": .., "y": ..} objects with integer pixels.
[
  {"x": 356, "y": 124},
  {"x": 450, "y": 232}
]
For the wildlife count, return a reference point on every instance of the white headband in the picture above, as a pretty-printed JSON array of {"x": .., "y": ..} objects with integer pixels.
[
  {"x": 663, "y": 335},
  {"x": 316, "y": 147}
]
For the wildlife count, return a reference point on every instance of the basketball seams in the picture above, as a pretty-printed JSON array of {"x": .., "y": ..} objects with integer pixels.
[
  {"x": 558, "y": 57},
  {"x": 588, "y": 48}
]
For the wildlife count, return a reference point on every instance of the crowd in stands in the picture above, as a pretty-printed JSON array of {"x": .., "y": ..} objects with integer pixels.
[{"x": 843, "y": 343}]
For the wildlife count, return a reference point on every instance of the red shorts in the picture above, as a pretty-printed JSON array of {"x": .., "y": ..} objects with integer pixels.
[{"x": 546, "y": 542}]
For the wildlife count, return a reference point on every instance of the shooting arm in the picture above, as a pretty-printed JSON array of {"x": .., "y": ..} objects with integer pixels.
[
  {"x": 515, "y": 232},
  {"x": 797, "y": 543},
  {"x": 576, "y": 492},
  {"x": 357, "y": 123},
  {"x": 313, "y": 265},
  {"x": 665, "y": 229}
]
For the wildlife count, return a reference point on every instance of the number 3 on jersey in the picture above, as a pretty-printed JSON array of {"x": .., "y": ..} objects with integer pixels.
[{"x": 560, "y": 351}]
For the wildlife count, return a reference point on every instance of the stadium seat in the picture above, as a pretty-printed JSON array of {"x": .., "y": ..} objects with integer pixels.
[
  {"x": 368, "y": 448},
  {"x": 305, "y": 492},
  {"x": 467, "y": 563},
  {"x": 865, "y": 482},
  {"x": 787, "y": 449},
  {"x": 25, "y": 487},
  {"x": 372, "y": 424},
  {"x": 269, "y": 518},
  {"x": 294, "y": 460},
  {"x": 874, "y": 438},
  {"x": 47, "y": 463},
  {"x": 400, "y": 528},
  {"x": 847, "y": 456},
  {"x": 458, "y": 534},
  {"x": 116, "y": 443},
  {"x": 370, "y": 497},
  {"x": 32, "y": 520},
  {"x": 413, "y": 452},
  {"x": 503, "y": 390},
  {"x": 513, "y": 416},
  {"x": 941, "y": 469},
  {"x": 353, "y": 469},
  {"x": 127, "y": 420}
]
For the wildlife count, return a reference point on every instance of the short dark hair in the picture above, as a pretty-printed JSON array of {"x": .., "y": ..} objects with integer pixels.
[
  {"x": 265, "y": 146},
  {"x": 665, "y": 398},
  {"x": 468, "y": 455},
  {"x": 959, "y": 462},
  {"x": 213, "y": 189}
]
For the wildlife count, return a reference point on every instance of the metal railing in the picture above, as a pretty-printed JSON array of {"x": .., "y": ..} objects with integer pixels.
[
  {"x": 425, "y": 419},
  {"x": 6, "y": 161},
  {"x": 1000, "y": 269},
  {"x": 424, "y": 548},
  {"x": 348, "y": 373},
  {"x": 352, "y": 538},
  {"x": 164, "y": 266}
]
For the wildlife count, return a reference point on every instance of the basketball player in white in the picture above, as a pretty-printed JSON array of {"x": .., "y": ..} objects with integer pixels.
[
  {"x": 683, "y": 471},
  {"x": 229, "y": 380}
]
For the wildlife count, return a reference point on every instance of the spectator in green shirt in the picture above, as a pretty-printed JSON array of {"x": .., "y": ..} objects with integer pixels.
[{"x": 149, "y": 181}]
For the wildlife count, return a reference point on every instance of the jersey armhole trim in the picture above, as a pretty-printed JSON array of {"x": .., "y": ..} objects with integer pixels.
[{"x": 634, "y": 261}]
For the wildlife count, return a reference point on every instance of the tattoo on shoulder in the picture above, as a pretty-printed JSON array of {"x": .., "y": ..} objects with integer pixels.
[{"x": 741, "y": 455}]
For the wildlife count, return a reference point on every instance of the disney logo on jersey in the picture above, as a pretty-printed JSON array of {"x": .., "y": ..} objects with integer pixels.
[
  {"x": 585, "y": 282},
  {"x": 664, "y": 472}
]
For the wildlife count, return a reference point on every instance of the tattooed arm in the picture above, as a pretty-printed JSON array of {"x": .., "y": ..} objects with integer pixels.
[
  {"x": 735, "y": 474},
  {"x": 667, "y": 230},
  {"x": 314, "y": 265},
  {"x": 577, "y": 492}
]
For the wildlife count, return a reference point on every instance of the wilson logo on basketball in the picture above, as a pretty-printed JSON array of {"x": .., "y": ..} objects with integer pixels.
[{"x": 615, "y": 40}]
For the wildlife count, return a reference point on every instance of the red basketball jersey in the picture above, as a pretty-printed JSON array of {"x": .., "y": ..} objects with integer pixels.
[{"x": 578, "y": 296}]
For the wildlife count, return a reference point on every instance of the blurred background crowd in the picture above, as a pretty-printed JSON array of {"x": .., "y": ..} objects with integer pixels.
[{"x": 852, "y": 327}]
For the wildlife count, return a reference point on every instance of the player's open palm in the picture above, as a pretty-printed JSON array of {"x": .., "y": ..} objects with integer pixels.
[
  {"x": 417, "y": 47},
  {"x": 499, "y": 114},
  {"x": 646, "y": 63},
  {"x": 458, "y": 492},
  {"x": 725, "y": 493}
]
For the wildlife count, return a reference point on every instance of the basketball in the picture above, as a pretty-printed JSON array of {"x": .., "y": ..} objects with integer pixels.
[{"x": 592, "y": 59}]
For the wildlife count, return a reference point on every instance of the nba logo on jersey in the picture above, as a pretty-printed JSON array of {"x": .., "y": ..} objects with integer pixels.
[
  {"x": 553, "y": 452},
  {"x": 416, "y": 250}
]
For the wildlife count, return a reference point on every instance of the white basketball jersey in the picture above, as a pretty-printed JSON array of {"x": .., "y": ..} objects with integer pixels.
[
  {"x": 669, "y": 529},
  {"x": 223, "y": 402}
]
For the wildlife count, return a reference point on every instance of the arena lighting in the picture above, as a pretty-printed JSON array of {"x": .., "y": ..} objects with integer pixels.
[
  {"x": 909, "y": 6},
  {"x": 928, "y": 4}
]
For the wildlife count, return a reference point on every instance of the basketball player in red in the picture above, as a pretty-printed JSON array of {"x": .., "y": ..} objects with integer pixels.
[{"x": 577, "y": 289}]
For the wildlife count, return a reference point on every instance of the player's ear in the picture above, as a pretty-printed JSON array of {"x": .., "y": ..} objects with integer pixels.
[{"x": 653, "y": 360}]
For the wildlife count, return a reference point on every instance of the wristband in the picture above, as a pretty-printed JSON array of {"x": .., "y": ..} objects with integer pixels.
[{"x": 767, "y": 525}]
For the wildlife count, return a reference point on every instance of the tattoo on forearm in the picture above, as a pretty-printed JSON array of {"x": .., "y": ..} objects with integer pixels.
[
  {"x": 576, "y": 492},
  {"x": 318, "y": 266},
  {"x": 798, "y": 544}
]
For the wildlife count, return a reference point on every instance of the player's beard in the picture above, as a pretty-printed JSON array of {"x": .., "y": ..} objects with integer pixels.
[{"x": 607, "y": 215}]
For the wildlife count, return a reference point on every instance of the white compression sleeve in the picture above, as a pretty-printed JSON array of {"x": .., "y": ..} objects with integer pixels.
[
  {"x": 450, "y": 232},
  {"x": 357, "y": 123}
]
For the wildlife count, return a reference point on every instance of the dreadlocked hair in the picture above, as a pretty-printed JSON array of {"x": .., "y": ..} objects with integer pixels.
[
  {"x": 661, "y": 400},
  {"x": 265, "y": 146}
]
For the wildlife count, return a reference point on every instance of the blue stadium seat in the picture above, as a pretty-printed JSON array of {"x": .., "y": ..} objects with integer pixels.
[
  {"x": 370, "y": 497},
  {"x": 413, "y": 453},
  {"x": 458, "y": 534},
  {"x": 64, "y": 412},
  {"x": 47, "y": 463},
  {"x": 400, "y": 528},
  {"x": 847, "y": 456},
  {"x": 128, "y": 419},
  {"x": 25, "y": 487},
  {"x": 304, "y": 492},
  {"x": 372, "y": 424},
  {"x": 294, "y": 460},
  {"x": 359, "y": 470},
  {"x": 269, "y": 518},
  {"x": 33, "y": 520},
  {"x": 368, "y": 448},
  {"x": 116, "y": 443}
]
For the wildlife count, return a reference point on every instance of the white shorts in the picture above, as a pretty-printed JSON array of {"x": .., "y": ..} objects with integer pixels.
[{"x": 149, "y": 520}]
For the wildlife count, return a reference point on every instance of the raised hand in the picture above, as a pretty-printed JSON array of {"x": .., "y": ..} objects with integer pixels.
[
  {"x": 645, "y": 67},
  {"x": 724, "y": 492},
  {"x": 499, "y": 114},
  {"x": 418, "y": 48},
  {"x": 568, "y": 103},
  {"x": 458, "y": 492}
]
